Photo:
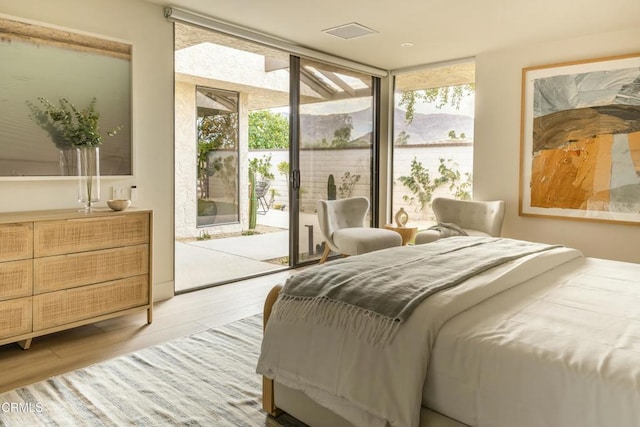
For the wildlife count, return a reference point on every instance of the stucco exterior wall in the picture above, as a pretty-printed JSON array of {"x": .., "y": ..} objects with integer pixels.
[{"x": 185, "y": 157}]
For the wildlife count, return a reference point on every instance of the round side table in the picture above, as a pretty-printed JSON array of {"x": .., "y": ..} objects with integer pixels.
[{"x": 407, "y": 233}]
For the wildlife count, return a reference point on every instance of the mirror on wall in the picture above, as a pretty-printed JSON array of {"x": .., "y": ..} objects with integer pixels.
[{"x": 43, "y": 62}]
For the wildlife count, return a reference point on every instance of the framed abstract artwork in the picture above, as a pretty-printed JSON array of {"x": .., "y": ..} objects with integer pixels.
[{"x": 580, "y": 141}]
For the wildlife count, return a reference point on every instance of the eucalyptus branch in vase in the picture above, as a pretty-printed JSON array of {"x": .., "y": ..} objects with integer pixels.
[
  {"x": 69, "y": 126},
  {"x": 78, "y": 127}
]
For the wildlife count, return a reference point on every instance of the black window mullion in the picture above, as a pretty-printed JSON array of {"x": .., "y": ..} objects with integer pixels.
[{"x": 294, "y": 159}]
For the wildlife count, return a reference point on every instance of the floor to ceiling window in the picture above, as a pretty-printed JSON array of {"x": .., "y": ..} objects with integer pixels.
[
  {"x": 217, "y": 156},
  {"x": 432, "y": 138}
]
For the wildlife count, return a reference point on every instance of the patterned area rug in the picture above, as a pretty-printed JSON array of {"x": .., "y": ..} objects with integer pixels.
[{"x": 204, "y": 379}]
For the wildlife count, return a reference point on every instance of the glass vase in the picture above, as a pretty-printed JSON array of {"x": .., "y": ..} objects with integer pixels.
[{"x": 88, "y": 162}]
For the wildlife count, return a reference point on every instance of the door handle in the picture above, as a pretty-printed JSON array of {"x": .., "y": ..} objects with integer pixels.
[{"x": 295, "y": 176}]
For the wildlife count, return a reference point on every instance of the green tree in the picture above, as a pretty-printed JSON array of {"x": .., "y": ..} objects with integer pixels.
[
  {"x": 446, "y": 95},
  {"x": 343, "y": 125},
  {"x": 342, "y": 136},
  {"x": 219, "y": 131},
  {"x": 453, "y": 135},
  {"x": 402, "y": 138},
  {"x": 268, "y": 130}
]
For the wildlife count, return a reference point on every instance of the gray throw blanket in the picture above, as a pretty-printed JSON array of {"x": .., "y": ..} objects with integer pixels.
[
  {"x": 448, "y": 229},
  {"x": 374, "y": 293}
]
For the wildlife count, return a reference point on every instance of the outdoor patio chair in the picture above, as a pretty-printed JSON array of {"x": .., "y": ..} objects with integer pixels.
[
  {"x": 342, "y": 224},
  {"x": 262, "y": 187},
  {"x": 475, "y": 218}
]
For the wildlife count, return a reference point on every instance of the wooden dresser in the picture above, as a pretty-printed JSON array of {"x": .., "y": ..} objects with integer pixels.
[{"x": 61, "y": 269}]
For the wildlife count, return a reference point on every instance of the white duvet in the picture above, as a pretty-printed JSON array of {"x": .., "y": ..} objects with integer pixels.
[
  {"x": 562, "y": 349},
  {"x": 373, "y": 386}
]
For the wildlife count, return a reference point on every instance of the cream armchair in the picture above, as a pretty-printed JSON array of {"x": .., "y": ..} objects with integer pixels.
[
  {"x": 342, "y": 224},
  {"x": 474, "y": 217}
]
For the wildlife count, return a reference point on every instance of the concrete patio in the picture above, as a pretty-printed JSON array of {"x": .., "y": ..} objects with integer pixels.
[{"x": 204, "y": 262}]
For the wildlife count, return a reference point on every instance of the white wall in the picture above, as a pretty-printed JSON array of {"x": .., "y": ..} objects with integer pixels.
[
  {"x": 497, "y": 142},
  {"x": 143, "y": 25}
]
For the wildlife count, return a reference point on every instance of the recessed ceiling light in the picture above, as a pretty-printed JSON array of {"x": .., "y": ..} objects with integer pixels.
[
  {"x": 406, "y": 44},
  {"x": 349, "y": 31}
]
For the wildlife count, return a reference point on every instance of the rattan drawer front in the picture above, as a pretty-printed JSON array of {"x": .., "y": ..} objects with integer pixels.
[
  {"x": 58, "y": 308},
  {"x": 70, "y": 271},
  {"x": 15, "y": 317},
  {"x": 79, "y": 235},
  {"x": 16, "y": 279},
  {"x": 16, "y": 241}
]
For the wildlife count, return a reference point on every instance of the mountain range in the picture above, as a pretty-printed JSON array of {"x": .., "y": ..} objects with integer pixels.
[{"x": 425, "y": 128}]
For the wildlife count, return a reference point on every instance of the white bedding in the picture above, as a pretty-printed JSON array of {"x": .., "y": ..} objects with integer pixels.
[
  {"x": 372, "y": 386},
  {"x": 562, "y": 349}
]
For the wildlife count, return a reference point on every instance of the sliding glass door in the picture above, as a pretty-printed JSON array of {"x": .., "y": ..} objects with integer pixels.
[
  {"x": 232, "y": 158},
  {"x": 261, "y": 136},
  {"x": 334, "y": 146}
]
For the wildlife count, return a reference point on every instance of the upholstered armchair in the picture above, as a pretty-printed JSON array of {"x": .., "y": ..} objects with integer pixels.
[
  {"x": 476, "y": 218},
  {"x": 342, "y": 224}
]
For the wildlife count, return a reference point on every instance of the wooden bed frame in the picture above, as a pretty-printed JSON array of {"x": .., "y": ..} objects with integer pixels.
[
  {"x": 268, "y": 395},
  {"x": 306, "y": 410}
]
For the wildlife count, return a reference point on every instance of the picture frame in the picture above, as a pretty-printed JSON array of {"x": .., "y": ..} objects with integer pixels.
[
  {"x": 580, "y": 140},
  {"x": 41, "y": 61}
]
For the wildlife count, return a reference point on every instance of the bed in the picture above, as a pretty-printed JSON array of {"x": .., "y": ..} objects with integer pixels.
[{"x": 548, "y": 338}]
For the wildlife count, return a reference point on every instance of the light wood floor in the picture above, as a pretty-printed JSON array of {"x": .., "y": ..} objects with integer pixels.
[{"x": 182, "y": 315}]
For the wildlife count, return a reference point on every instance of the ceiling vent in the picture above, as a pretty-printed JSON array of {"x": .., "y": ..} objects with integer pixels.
[{"x": 349, "y": 31}]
